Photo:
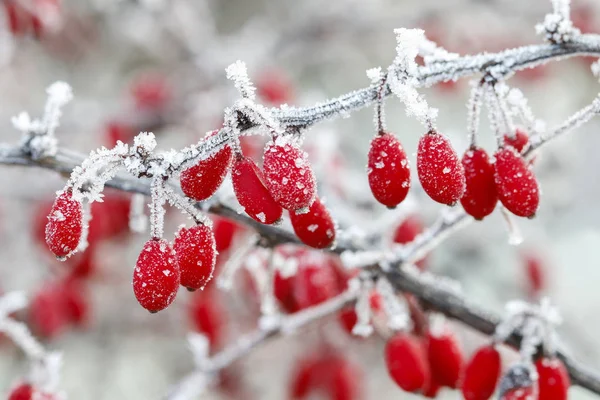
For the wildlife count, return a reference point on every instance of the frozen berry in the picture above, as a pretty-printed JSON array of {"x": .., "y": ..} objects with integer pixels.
[
  {"x": 251, "y": 192},
  {"x": 315, "y": 281},
  {"x": 314, "y": 228},
  {"x": 481, "y": 374},
  {"x": 445, "y": 358},
  {"x": 480, "y": 197},
  {"x": 23, "y": 391},
  {"x": 348, "y": 318},
  {"x": 65, "y": 225},
  {"x": 406, "y": 362},
  {"x": 156, "y": 275},
  {"x": 288, "y": 174},
  {"x": 519, "y": 140},
  {"x": 224, "y": 230},
  {"x": 303, "y": 378},
  {"x": 202, "y": 180},
  {"x": 553, "y": 379},
  {"x": 388, "y": 171},
  {"x": 196, "y": 255},
  {"x": 516, "y": 184},
  {"x": 439, "y": 168}
]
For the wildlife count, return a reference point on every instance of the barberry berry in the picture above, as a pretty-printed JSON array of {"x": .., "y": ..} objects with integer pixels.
[
  {"x": 553, "y": 379},
  {"x": 516, "y": 184},
  {"x": 196, "y": 255},
  {"x": 406, "y": 362},
  {"x": 65, "y": 225},
  {"x": 445, "y": 358},
  {"x": 480, "y": 197},
  {"x": 482, "y": 374},
  {"x": 314, "y": 228}
]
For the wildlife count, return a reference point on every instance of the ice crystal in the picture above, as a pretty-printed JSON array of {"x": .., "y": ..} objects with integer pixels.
[{"x": 238, "y": 73}]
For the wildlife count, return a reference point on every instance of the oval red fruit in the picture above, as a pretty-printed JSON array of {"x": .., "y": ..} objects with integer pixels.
[
  {"x": 288, "y": 174},
  {"x": 314, "y": 282},
  {"x": 519, "y": 141},
  {"x": 316, "y": 227},
  {"x": 345, "y": 381},
  {"x": 156, "y": 276},
  {"x": 406, "y": 362},
  {"x": 202, "y": 180},
  {"x": 251, "y": 192},
  {"x": 208, "y": 316},
  {"x": 303, "y": 378},
  {"x": 47, "y": 314},
  {"x": 407, "y": 231},
  {"x": 439, "y": 168},
  {"x": 65, "y": 225},
  {"x": 388, "y": 170},
  {"x": 553, "y": 379},
  {"x": 224, "y": 230},
  {"x": 480, "y": 196},
  {"x": 535, "y": 272},
  {"x": 23, "y": 391},
  {"x": 445, "y": 358},
  {"x": 348, "y": 318},
  {"x": 196, "y": 256},
  {"x": 481, "y": 374},
  {"x": 516, "y": 184}
]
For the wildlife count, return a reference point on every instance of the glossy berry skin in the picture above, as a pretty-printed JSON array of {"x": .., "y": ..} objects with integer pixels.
[
  {"x": 406, "y": 362},
  {"x": 65, "y": 225},
  {"x": 252, "y": 193},
  {"x": 388, "y": 170},
  {"x": 156, "y": 276},
  {"x": 519, "y": 141},
  {"x": 445, "y": 358},
  {"x": 202, "y": 180},
  {"x": 407, "y": 231},
  {"x": 316, "y": 227},
  {"x": 288, "y": 175},
  {"x": 553, "y": 379},
  {"x": 482, "y": 374},
  {"x": 195, "y": 250},
  {"x": 480, "y": 197},
  {"x": 440, "y": 171},
  {"x": 516, "y": 184}
]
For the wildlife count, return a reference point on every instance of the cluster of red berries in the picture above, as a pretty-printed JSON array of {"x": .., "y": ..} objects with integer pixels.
[
  {"x": 286, "y": 181},
  {"x": 475, "y": 181},
  {"x": 329, "y": 373},
  {"x": 424, "y": 364}
]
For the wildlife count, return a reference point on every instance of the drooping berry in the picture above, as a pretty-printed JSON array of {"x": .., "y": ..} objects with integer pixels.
[
  {"x": 65, "y": 225},
  {"x": 518, "y": 383},
  {"x": 535, "y": 273},
  {"x": 406, "y": 362},
  {"x": 224, "y": 230},
  {"x": 288, "y": 174},
  {"x": 202, "y": 180},
  {"x": 348, "y": 318},
  {"x": 283, "y": 290},
  {"x": 75, "y": 302},
  {"x": 407, "y": 231},
  {"x": 196, "y": 255},
  {"x": 316, "y": 227},
  {"x": 156, "y": 276},
  {"x": 47, "y": 312},
  {"x": 252, "y": 193},
  {"x": 445, "y": 358},
  {"x": 439, "y": 168},
  {"x": 481, "y": 374},
  {"x": 208, "y": 316},
  {"x": 303, "y": 378},
  {"x": 480, "y": 196},
  {"x": 315, "y": 282},
  {"x": 519, "y": 140},
  {"x": 151, "y": 91},
  {"x": 553, "y": 379},
  {"x": 345, "y": 381},
  {"x": 388, "y": 170},
  {"x": 516, "y": 184},
  {"x": 275, "y": 87}
]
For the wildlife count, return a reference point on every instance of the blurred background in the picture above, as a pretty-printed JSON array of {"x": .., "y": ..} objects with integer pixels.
[{"x": 158, "y": 65}]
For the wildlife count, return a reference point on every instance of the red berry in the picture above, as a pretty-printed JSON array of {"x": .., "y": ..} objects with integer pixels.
[
  {"x": 407, "y": 231},
  {"x": 117, "y": 131},
  {"x": 202, "y": 180},
  {"x": 553, "y": 379},
  {"x": 65, "y": 225},
  {"x": 23, "y": 391},
  {"x": 535, "y": 273},
  {"x": 345, "y": 381},
  {"x": 439, "y": 168},
  {"x": 518, "y": 384},
  {"x": 275, "y": 88},
  {"x": 283, "y": 289},
  {"x": 75, "y": 302},
  {"x": 151, "y": 91},
  {"x": 47, "y": 313},
  {"x": 406, "y": 362},
  {"x": 445, "y": 358},
  {"x": 196, "y": 255},
  {"x": 224, "y": 230},
  {"x": 156, "y": 276},
  {"x": 315, "y": 282},
  {"x": 348, "y": 318},
  {"x": 251, "y": 192},
  {"x": 480, "y": 196},
  {"x": 516, "y": 184},
  {"x": 431, "y": 390},
  {"x": 519, "y": 141},
  {"x": 303, "y": 378},
  {"x": 288, "y": 175},
  {"x": 388, "y": 171},
  {"x": 481, "y": 374},
  {"x": 208, "y": 316},
  {"x": 316, "y": 227}
]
